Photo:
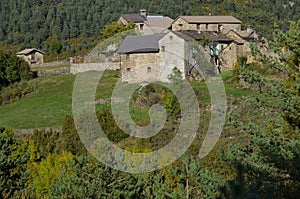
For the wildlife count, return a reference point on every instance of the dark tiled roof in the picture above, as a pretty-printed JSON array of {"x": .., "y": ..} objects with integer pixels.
[
  {"x": 246, "y": 34},
  {"x": 136, "y": 18},
  {"x": 140, "y": 44},
  {"x": 183, "y": 36}
]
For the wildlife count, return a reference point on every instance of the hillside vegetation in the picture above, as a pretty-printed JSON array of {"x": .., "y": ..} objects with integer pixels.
[{"x": 76, "y": 24}]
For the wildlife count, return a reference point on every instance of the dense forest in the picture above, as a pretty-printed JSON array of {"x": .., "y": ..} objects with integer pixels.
[{"x": 77, "y": 24}]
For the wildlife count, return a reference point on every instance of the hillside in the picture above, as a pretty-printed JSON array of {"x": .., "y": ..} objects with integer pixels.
[{"x": 77, "y": 24}]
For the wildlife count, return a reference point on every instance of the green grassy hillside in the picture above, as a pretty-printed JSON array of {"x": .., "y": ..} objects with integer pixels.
[{"x": 52, "y": 101}]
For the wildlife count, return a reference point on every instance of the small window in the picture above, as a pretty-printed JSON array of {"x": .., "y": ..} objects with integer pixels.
[
  {"x": 198, "y": 26},
  {"x": 128, "y": 69},
  {"x": 127, "y": 57},
  {"x": 206, "y": 26},
  {"x": 163, "y": 48},
  {"x": 148, "y": 69},
  {"x": 171, "y": 37},
  {"x": 220, "y": 28},
  {"x": 180, "y": 26},
  {"x": 141, "y": 26}
]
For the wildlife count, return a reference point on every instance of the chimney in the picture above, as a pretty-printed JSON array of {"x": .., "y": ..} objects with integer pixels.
[
  {"x": 143, "y": 12},
  {"x": 249, "y": 29}
]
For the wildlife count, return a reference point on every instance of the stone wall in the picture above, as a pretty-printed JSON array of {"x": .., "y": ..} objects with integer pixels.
[
  {"x": 84, "y": 67},
  {"x": 229, "y": 57},
  {"x": 54, "y": 72},
  {"x": 140, "y": 67},
  {"x": 55, "y": 63}
]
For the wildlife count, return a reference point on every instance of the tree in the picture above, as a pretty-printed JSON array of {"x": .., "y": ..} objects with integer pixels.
[
  {"x": 55, "y": 48},
  {"x": 268, "y": 166},
  {"x": 13, "y": 163},
  {"x": 13, "y": 69},
  {"x": 114, "y": 28}
]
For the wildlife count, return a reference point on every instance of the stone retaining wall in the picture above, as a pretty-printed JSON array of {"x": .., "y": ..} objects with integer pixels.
[
  {"x": 54, "y": 72},
  {"x": 84, "y": 67}
]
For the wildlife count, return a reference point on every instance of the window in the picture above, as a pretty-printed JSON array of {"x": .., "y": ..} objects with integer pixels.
[
  {"x": 171, "y": 37},
  {"x": 148, "y": 69},
  {"x": 127, "y": 57},
  {"x": 206, "y": 26},
  {"x": 180, "y": 26},
  {"x": 198, "y": 26},
  {"x": 220, "y": 28},
  {"x": 141, "y": 26},
  {"x": 128, "y": 70},
  {"x": 163, "y": 48}
]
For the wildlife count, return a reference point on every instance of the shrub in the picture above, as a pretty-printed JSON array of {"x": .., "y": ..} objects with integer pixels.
[{"x": 16, "y": 91}]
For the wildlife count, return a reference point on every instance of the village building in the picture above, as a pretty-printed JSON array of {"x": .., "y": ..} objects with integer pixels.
[
  {"x": 221, "y": 24},
  {"x": 151, "y": 58},
  {"x": 32, "y": 55},
  {"x": 151, "y": 23}
]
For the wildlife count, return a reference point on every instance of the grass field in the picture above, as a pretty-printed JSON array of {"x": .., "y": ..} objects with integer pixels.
[
  {"x": 52, "y": 101},
  {"x": 43, "y": 68}
]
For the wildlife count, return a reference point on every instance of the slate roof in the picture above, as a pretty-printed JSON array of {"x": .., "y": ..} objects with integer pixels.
[
  {"x": 29, "y": 50},
  {"x": 183, "y": 36},
  {"x": 140, "y": 44},
  {"x": 211, "y": 19},
  {"x": 245, "y": 34},
  {"x": 136, "y": 18}
]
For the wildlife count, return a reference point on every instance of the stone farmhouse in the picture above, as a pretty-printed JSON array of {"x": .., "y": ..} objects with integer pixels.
[
  {"x": 32, "y": 55},
  {"x": 153, "y": 57},
  {"x": 152, "y": 23},
  {"x": 221, "y": 24}
]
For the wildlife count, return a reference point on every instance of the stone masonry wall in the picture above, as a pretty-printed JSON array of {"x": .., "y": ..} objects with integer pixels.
[{"x": 84, "y": 67}]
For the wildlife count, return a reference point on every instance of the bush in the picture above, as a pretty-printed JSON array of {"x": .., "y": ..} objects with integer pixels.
[
  {"x": 13, "y": 69},
  {"x": 16, "y": 91}
]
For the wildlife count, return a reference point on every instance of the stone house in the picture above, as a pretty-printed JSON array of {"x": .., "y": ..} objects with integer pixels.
[
  {"x": 150, "y": 58},
  {"x": 145, "y": 22},
  {"x": 243, "y": 40},
  {"x": 32, "y": 55},
  {"x": 221, "y": 24}
]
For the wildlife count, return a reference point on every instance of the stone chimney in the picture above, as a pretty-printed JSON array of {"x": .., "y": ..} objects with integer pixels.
[
  {"x": 143, "y": 12},
  {"x": 249, "y": 29}
]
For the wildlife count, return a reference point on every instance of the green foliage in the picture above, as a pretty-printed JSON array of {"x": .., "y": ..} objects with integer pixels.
[
  {"x": 268, "y": 165},
  {"x": 68, "y": 139},
  {"x": 13, "y": 69},
  {"x": 114, "y": 28},
  {"x": 56, "y": 47},
  {"x": 88, "y": 177},
  {"x": 34, "y": 23},
  {"x": 16, "y": 91},
  {"x": 270, "y": 161},
  {"x": 13, "y": 159},
  {"x": 45, "y": 173}
]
